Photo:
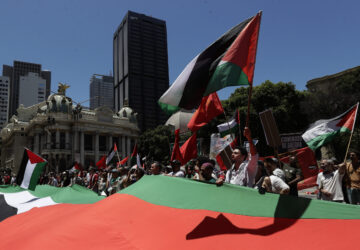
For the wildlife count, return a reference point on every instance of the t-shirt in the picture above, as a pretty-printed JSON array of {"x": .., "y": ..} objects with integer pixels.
[
  {"x": 353, "y": 176},
  {"x": 245, "y": 174},
  {"x": 277, "y": 184},
  {"x": 331, "y": 182},
  {"x": 178, "y": 174}
]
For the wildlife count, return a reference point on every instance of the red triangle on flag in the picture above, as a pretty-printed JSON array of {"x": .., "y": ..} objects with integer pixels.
[
  {"x": 115, "y": 147},
  {"x": 134, "y": 153},
  {"x": 34, "y": 158}
]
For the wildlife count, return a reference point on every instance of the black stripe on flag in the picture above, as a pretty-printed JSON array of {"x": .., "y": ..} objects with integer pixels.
[
  {"x": 205, "y": 66},
  {"x": 5, "y": 209},
  {"x": 21, "y": 173},
  {"x": 110, "y": 155}
]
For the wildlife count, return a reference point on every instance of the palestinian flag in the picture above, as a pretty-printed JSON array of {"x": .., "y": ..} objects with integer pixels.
[
  {"x": 323, "y": 131},
  {"x": 231, "y": 127},
  {"x": 162, "y": 212},
  {"x": 111, "y": 154},
  {"x": 135, "y": 157},
  {"x": 31, "y": 167},
  {"x": 16, "y": 200},
  {"x": 229, "y": 61}
]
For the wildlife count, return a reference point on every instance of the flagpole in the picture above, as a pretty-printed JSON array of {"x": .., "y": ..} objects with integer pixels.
[
  {"x": 352, "y": 132},
  {"x": 238, "y": 116},
  {"x": 250, "y": 88}
]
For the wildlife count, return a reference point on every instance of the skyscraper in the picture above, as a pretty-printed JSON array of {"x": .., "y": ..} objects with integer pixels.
[
  {"x": 101, "y": 91},
  {"x": 22, "y": 69},
  {"x": 4, "y": 99},
  {"x": 32, "y": 89},
  {"x": 141, "y": 72}
]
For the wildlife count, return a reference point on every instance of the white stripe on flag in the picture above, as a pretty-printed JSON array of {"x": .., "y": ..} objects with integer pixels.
[
  {"x": 14, "y": 199},
  {"x": 43, "y": 202},
  {"x": 323, "y": 128},
  {"x": 227, "y": 125},
  {"x": 110, "y": 156},
  {"x": 27, "y": 175},
  {"x": 174, "y": 94}
]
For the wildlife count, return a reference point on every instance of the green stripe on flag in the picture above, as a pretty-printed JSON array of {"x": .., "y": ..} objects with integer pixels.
[
  {"x": 36, "y": 174},
  {"x": 325, "y": 138},
  {"x": 226, "y": 74},
  {"x": 167, "y": 108},
  {"x": 164, "y": 190}
]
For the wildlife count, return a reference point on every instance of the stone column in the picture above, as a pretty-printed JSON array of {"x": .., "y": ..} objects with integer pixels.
[
  {"x": 67, "y": 140},
  {"x": 57, "y": 139},
  {"x": 128, "y": 142},
  {"x": 123, "y": 147},
  {"x": 110, "y": 142},
  {"x": 96, "y": 149},
  {"x": 36, "y": 143},
  {"x": 76, "y": 141},
  {"x": 48, "y": 140},
  {"x": 82, "y": 148}
]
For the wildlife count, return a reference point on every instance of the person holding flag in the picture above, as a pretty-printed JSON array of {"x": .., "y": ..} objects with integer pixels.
[{"x": 244, "y": 169}]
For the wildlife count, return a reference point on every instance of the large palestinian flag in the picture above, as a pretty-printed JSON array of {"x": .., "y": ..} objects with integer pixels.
[
  {"x": 15, "y": 200},
  {"x": 160, "y": 212},
  {"x": 229, "y": 61},
  {"x": 323, "y": 131},
  {"x": 30, "y": 169}
]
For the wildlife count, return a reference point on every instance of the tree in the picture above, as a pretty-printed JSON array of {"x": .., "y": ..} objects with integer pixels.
[{"x": 155, "y": 143}]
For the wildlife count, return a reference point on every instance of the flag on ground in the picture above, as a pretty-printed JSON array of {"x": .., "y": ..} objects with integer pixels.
[
  {"x": 31, "y": 167},
  {"x": 209, "y": 108},
  {"x": 189, "y": 149},
  {"x": 229, "y": 61},
  {"x": 323, "y": 131},
  {"x": 195, "y": 215},
  {"x": 15, "y": 200},
  {"x": 111, "y": 154}
]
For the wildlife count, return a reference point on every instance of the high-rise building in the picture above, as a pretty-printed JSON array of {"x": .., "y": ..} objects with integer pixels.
[
  {"x": 4, "y": 99},
  {"x": 141, "y": 72},
  {"x": 101, "y": 91},
  {"x": 32, "y": 89},
  {"x": 22, "y": 69}
]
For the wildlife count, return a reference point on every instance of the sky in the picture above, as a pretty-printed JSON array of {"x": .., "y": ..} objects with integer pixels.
[{"x": 299, "y": 40}]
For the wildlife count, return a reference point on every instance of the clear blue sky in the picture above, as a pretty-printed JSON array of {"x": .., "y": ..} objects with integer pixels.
[{"x": 299, "y": 40}]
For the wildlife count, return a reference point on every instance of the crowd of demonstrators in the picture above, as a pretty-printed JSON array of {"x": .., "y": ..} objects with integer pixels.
[
  {"x": 269, "y": 175},
  {"x": 332, "y": 177}
]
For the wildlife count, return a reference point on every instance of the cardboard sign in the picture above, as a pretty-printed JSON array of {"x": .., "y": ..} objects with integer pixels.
[{"x": 270, "y": 128}]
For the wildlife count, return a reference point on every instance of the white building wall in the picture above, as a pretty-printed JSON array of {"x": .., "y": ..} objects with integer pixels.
[
  {"x": 32, "y": 89},
  {"x": 4, "y": 99}
]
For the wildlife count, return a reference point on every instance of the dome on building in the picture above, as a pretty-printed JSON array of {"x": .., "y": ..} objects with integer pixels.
[
  {"x": 127, "y": 112},
  {"x": 59, "y": 103},
  {"x": 180, "y": 120}
]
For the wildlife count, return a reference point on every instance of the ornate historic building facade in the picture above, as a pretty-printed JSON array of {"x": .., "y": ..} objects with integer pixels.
[{"x": 62, "y": 133}]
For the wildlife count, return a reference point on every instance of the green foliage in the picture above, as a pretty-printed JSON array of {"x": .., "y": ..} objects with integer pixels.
[{"x": 154, "y": 143}]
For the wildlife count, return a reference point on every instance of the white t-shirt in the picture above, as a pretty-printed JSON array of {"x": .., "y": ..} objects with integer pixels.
[
  {"x": 331, "y": 182},
  {"x": 277, "y": 184},
  {"x": 245, "y": 175},
  {"x": 178, "y": 174}
]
